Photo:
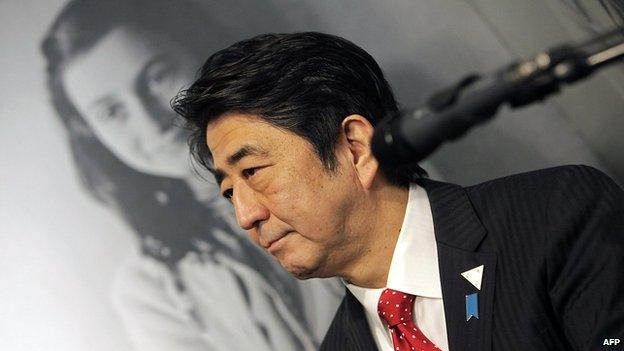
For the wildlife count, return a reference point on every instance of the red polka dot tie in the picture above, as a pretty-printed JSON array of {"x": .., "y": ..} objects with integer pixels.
[{"x": 395, "y": 308}]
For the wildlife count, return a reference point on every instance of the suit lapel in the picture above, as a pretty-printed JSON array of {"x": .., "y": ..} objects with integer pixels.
[
  {"x": 474, "y": 334},
  {"x": 458, "y": 233},
  {"x": 358, "y": 335}
]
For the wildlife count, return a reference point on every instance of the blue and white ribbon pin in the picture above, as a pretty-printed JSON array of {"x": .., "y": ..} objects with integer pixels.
[{"x": 472, "y": 306}]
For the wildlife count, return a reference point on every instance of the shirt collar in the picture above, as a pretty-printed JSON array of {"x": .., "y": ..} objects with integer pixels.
[{"x": 414, "y": 267}]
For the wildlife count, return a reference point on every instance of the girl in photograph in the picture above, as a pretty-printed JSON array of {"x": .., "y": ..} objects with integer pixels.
[{"x": 198, "y": 282}]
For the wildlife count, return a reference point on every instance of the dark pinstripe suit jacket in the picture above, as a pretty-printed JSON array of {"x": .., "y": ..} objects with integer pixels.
[{"x": 552, "y": 242}]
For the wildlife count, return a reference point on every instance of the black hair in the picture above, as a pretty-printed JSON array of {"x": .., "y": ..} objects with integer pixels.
[{"x": 305, "y": 83}]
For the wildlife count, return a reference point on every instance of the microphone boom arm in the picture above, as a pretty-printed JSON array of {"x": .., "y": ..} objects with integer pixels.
[{"x": 474, "y": 100}]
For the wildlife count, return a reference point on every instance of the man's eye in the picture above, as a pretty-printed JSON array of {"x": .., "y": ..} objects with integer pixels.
[
  {"x": 228, "y": 194},
  {"x": 248, "y": 172}
]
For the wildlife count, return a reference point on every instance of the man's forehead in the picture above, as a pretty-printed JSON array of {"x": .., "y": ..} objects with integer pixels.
[
  {"x": 244, "y": 125},
  {"x": 227, "y": 129},
  {"x": 234, "y": 136}
]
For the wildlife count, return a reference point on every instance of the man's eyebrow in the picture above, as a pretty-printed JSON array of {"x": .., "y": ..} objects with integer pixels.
[{"x": 244, "y": 151}]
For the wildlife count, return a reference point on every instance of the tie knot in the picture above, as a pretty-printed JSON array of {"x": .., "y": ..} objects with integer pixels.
[{"x": 395, "y": 307}]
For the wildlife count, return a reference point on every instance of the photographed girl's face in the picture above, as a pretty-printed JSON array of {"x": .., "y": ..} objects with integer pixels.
[{"x": 122, "y": 87}]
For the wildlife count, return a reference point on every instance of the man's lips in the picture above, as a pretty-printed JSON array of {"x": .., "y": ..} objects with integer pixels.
[{"x": 273, "y": 240}]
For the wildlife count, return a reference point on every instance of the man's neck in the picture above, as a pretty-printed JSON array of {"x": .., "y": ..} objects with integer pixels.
[{"x": 373, "y": 264}]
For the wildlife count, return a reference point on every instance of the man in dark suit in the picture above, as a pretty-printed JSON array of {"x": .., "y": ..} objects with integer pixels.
[{"x": 528, "y": 262}]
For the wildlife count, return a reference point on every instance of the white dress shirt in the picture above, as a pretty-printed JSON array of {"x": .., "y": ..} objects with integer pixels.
[{"x": 413, "y": 270}]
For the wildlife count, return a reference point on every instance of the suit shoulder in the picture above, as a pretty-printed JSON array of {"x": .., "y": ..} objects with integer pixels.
[
  {"x": 548, "y": 200},
  {"x": 580, "y": 179}
]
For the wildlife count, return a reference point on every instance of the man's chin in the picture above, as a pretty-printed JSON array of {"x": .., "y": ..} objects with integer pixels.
[
  {"x": 300, "y": 272},
  {"x": 301, "y": 269},
  {"x": 307, "y": 270},
  {"x": 302, "y": 262}
]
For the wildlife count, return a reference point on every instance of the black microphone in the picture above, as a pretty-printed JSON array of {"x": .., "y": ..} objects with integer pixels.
[{"x": 410, "y": 136}]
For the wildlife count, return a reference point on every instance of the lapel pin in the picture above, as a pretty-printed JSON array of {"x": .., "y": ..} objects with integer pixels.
[
  {"x": 474, "y": 276},
  {"x": 472, "y": 306}
]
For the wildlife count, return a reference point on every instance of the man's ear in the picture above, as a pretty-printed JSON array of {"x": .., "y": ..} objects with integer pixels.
[{"x": 358, "y": 132}]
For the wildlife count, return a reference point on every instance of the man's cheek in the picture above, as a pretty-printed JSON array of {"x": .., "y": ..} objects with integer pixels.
[{"x": 284, "y": 200}]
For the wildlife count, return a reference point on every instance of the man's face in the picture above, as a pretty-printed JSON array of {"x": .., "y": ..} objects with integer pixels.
[{"x": 301, "y": 213}]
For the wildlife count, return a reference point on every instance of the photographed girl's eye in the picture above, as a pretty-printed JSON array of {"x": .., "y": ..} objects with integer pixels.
[
  {"x": 113, "y": 111},
  {"x": 159, "y": 76}
]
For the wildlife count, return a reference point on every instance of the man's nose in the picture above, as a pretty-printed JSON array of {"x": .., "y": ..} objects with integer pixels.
[{"x": 249, "y": 211}]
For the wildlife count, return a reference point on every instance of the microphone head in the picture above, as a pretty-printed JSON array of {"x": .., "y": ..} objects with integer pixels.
[
  {"x": 394, "y": 155},
  {"x": 389, "y": 147}
]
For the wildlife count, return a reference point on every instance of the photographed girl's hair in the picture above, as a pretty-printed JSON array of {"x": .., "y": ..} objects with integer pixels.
[{"x": 162, "y": 211}]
